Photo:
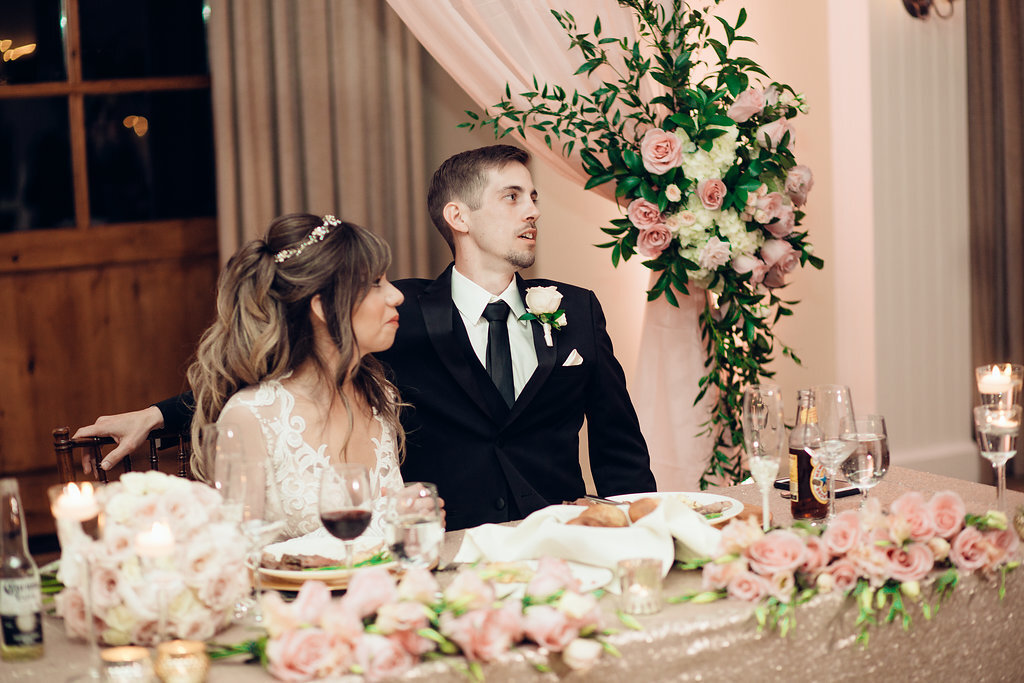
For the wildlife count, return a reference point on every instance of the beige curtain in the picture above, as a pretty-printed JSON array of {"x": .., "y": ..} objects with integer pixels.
[
  {"x": 484, "y": 44},
  {"x": 995, "y": 88},
  {"x": 318, "y": 107}
]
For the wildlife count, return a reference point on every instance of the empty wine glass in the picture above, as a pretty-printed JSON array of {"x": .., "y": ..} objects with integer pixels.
[
  {"x": 346, "y": 502},
  {"x": 869, "y": 462},
  {"x": 413, "y": 526},
  {"x": 764, "y": 435},
  {"x": 997, "y": 441},
  {"x": 827, "y": 444}
]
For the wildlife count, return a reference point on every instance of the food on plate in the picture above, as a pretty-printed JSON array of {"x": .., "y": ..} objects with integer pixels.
[
  {"x": 297, "y": 561},
  {"x": 710, "y": 510},
  {"x": 508, "y": 572},
  {"x": 601, "y": 515},
  {"x": 642, "y": 507}
]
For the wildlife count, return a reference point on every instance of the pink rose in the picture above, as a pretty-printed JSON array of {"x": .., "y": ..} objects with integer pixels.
[
  {"x": 909, "y": 518},
  {"x": 969, "y": 550},
  {"x": 947, "y": 510},
  {"x": 781, "y": 585},
  {"x": 483, "y": 634},
  {"x": 419, "y": 585},
  {"x": 548, "y": 627},
  {"x": 747, "y": 585},
  {"x": 744, "y": 263},
  {"x": 774, "y": 278},
  {"x": 1002, "y": 544},
  {"x": 413, "y": 643},
  {"x": 799, "y": 181},
  {"x": 305, "y": 654},
  {"x": 341, "y": 621},
  {"x": 660, "y": 151},
  {"x": 748, "y": 103},
  {"x": 652, "y": 242},
  {"x": 581, "y": 609},
  {"x": 381, "y": 657},
  {"x": 713, "y": 254},
  {"x": 686, "y": 218},
  {"x": 869, "y": 556},
  {"x": 582, "y": 653},
  {"x": 784, "y": 223},
  {"x": 779, "y": 551},
  {"x": 768, "y": 207},
  {"x": 716, "y": 576},
  {"x": 911, "y": 562},
  {"x": 738, "y": 535},
  {"x": 816, "y": 556},
  {"x": 844, "y": 574},
  {"x": 552, "y": 575},
  {"x": 843, "y": 533},
  {"x": 711, "y": 193},
  {"x": 775, "y": 130},
  {"x": 369, "y": 589},
  {"x": 469, "y": 591},
  {"x": 673, "y": 193},
  {"x": 310, "y": 603},
  {"x": 105, "y": 580},
  {"x": 780, "y": 252},
  {"x": 71, "y": 607},
  {"x": 643, "y": 214},
  {"x": 402, "y": 616}
]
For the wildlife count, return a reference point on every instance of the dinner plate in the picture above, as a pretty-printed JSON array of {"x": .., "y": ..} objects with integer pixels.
[
  {"x": 320, "y": 542},
  {"x": 699, "y": 497},
  {"x": 590, "y": 578}
]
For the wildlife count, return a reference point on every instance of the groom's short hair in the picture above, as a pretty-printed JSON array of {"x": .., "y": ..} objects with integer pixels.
[{"x": 463, "y": 177}]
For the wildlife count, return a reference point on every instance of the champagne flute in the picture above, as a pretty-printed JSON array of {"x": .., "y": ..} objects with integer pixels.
[
  {"x": 999, "y": 384},
  {"x": 870, "y": 459},
  {"x": 764, "y": 435},
  {"x": 414, "y": 530},
  {"x": 827, "y": 444},
  {"x": 346, "y": 501},
  {"x": 997, "y": 429}
]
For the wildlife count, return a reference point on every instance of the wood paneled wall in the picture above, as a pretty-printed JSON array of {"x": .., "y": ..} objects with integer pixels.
[{"x": 94, "y": 322}]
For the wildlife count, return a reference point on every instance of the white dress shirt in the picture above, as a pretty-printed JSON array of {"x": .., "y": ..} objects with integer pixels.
[{"x": 470, "y": 298}]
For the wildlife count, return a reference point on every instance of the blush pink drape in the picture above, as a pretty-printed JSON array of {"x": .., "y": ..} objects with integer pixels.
[{"x": 484, "y": 44}]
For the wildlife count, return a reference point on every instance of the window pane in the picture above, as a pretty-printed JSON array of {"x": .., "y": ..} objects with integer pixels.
[
  {"x": 31, "y": 42},
  {"x": 35, "y": 172},
  {"x": 150, "y": 156},
  {"x": 143, "y": 38}
]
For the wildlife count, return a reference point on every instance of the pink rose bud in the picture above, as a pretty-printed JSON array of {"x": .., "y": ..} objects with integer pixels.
[
  {"x": 711, "y": 193},
  {"x": 799, "y": 181},
  {"x": 775, "y": 131},
  {"x": 748, "y": 103}
]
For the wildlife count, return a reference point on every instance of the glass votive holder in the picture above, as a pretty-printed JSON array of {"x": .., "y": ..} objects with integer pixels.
[
  {"x": 640, "y": 585},
  {"x": 999, "y": 384},
  {"x": 182, "y": 661},
  {"x": 127, "y": 664}
]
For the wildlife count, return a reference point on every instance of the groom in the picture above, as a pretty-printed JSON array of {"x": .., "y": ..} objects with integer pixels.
[
  {"x": 499, "y": 446},
  {"x": 495, "y": 410}
]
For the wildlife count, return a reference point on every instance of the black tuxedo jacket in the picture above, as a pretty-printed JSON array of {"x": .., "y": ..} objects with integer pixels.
[{"x": 493, "y": 463}]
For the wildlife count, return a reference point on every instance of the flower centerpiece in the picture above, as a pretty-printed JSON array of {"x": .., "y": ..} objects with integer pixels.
[
  {"x": 201, "y": 580},
  {"x": 705, "y": 171},
  {"x": 381, "y": 627},
  {"x": 881, "y": 559}
]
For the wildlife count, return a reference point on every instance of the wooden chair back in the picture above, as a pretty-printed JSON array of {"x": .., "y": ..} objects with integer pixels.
[{"x": 162, "y": 442}]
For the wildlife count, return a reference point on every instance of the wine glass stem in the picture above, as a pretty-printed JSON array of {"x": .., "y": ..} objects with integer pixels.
[
  {"x": 257, "y": 583},
  {"x": 1001, "y": 487},
  {"x": 831, "y": 494},
  {"x": 764, "y": 507},
  {"x": 348, "y": 553}
]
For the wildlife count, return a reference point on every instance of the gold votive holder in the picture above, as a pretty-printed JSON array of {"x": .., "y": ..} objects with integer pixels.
[
  {"x": 127, "y": 664},
  {"x": 640, "y": 585},
  {"x": 182, "y": 661}
]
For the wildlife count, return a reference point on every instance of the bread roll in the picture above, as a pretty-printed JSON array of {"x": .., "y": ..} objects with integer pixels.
[
  {"x": 641, "y": 508},
  {"x": 601, "y": 515}
]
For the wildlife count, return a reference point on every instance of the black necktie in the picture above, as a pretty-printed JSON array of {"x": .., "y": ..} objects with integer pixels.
[{"x": 499, "y": 353}]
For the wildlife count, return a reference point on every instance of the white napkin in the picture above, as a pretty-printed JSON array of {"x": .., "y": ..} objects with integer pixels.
[{"x": 672, "y": 530}]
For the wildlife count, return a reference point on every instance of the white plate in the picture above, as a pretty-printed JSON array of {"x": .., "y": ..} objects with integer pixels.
[
  {"x": 300, "y": 575},
  {"x": 699, "y": 497},
  {"x": 320, "y": 542},
  {"x": 590, "y": 578}
]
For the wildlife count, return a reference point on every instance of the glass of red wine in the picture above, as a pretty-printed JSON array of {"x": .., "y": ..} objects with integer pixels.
[{"x": 346, "y": 500}]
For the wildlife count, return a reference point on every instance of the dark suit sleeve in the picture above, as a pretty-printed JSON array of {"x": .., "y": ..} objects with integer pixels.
[
  {"x": 177, "y": 411},
  {"x": 619, "y": 459}
]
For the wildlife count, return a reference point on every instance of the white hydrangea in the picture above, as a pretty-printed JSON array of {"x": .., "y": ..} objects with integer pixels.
[
  {"x": 699, "y": 165},
  {"x": 688, "y": 144},
  {"x": 723, "y": 150},
  {"x": 735, "y": 230}
]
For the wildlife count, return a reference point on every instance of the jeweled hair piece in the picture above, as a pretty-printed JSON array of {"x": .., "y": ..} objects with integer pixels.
[{"x": 317, "y": 235}]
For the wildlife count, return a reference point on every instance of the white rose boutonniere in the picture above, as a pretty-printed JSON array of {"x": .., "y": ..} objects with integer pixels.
[{"x": 542, "y": 304}]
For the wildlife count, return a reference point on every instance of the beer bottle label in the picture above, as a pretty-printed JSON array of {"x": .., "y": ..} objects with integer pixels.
[
  {"x": 21, "y": 611},
  {"x": 819, "y": 484}
]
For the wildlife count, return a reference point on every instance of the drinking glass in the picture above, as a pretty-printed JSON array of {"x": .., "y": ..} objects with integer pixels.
[
  {"x": 997, "y": 441},
  {"x": 414, "y": 530},
  {"x": 346, "y": 501},
  {"x": 830, "y": 443},
  {"x": 999, "y": 384},
  {"x": 870, "y": 459},
  {"x": 764, "y": 435}
]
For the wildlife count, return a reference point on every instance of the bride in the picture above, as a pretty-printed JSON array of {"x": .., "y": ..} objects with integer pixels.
[{"x": 286, "y": 362}]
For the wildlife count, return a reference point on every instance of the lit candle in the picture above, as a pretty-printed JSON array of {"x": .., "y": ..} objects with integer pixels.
[
  {"x": 157, "y": 542},
  {"x": 76, "y": 504},
  {"x": 182, "y": 661},
  {"x": 995, "y": 382}
]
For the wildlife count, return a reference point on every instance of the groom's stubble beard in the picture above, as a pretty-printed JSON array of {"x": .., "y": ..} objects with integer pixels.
[{"x": 521, "y": 259}]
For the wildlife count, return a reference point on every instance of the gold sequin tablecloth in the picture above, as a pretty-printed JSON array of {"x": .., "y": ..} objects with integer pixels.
[{"x": 975, "y": 636}]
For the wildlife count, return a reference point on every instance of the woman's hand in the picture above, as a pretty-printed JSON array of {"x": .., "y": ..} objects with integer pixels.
[{"x": 129, "y": 430}]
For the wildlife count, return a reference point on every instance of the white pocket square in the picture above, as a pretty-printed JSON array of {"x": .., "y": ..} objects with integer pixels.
[{"x": 574, "y": 359}]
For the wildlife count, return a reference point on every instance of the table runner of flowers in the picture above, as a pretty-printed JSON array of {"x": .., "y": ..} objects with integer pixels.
[{"x": 706, "y": 171}]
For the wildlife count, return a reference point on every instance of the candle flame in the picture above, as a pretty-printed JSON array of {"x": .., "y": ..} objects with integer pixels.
[{"x": 74, "y": 493}]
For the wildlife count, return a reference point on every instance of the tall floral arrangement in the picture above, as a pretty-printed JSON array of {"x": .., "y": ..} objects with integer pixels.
[{"x": 705, "y": 172}]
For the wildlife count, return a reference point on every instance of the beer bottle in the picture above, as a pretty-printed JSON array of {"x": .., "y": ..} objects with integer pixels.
[
  {"x": 808, "y": 483},
  {"x": 21, "y": 598}
]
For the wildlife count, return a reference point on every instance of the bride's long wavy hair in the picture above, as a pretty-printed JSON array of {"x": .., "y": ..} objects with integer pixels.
[{"x": 263, "y": 329}]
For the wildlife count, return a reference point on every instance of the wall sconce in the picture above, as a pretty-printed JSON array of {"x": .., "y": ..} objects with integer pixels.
[{"x": 919, "y": 8}]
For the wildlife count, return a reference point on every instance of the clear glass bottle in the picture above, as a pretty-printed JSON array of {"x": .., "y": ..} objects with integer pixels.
[
  {"x": 21, "y": 597},
  {"x": 808, "y": 482}
]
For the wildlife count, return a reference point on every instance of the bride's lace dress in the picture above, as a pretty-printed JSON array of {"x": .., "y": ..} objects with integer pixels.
[{"x": 266, "y": 415}]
